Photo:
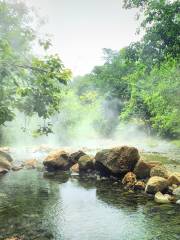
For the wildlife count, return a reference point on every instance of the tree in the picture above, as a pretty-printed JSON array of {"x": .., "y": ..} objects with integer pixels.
[
  {"x": 161, "y": 23},
  {"x": 30, "y": 84}
]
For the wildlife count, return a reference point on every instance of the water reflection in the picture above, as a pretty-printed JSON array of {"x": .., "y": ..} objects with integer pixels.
[{"x": 60, "y": 207}]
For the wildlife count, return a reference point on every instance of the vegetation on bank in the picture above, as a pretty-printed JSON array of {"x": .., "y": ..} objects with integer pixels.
[{"x": 139, "y": 84}]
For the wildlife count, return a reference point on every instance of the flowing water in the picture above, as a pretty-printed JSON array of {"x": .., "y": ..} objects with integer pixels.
[{"x": 63, "y": 207}]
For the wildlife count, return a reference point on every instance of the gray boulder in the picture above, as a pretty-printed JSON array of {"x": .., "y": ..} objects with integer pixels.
[{"x": 116, "y": 161}]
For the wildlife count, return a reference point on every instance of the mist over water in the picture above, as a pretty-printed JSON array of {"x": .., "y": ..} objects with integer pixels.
[{"x": 18, "y": 134}]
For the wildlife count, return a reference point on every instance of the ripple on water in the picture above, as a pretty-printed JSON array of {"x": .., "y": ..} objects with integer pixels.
[{"x": 58, "y": 207}]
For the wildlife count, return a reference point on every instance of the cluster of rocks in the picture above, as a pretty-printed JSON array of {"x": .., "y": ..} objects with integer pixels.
[
  {"x": 123, "y": 164},
  {"x": 6, "y": 163}
]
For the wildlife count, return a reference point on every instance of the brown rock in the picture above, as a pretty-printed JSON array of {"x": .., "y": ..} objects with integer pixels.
[
  {"x": 116, "y": 161},
  {"x": 3, "y": 171},
  {"x": 30, "y": 164},
  {"x": 17, "y": 168},
  {"x": 140, "y": 185},
  {"x": 86, "y": 163},
  {"x": 129, "y": 179},
  {"x": 174, "y": 178},
  {"x": 5, "y": 156},
  {"x": 75, "y": 168},
  {"x": 5, "y": 164},
  {"x": 156, "y": 184},
  {"x": 160, "y": 171},
  {"x": 142, "y": 169},
  {"x": 57, "y": 160},
  {"x": 74, "y": 157}
]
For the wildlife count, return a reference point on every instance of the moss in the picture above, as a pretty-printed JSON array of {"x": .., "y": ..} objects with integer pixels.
[{"x": 158, "y": 157}]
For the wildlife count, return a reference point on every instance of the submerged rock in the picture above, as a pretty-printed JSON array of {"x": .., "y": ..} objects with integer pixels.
[
  {"x": 160, "y": 171},
  {"x": 116, "y": 161},
  {"x": 156, "y": 184},
  {"x": 142, "y": 169},
  {"x": 86, "y": 163},
  {"x": 129, "y": 180},
  {"x": 163, "y": 198},
  {"x": 57, "y": 160}
]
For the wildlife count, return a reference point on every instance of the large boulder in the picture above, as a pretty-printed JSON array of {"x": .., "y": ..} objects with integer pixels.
[
  {"x": 142, "y": 169},
  {"x": 160, "y": 171},
  {"x": 174, "y": 178},
  {"x": 116, "y": 161},
  {"x": 163, "y": 198},
  {"x": 129, "y": 180},
  {"x": 86, "y": 163},
  {"x": 57, "y": 160},
  {"x": 5, "y": 156},
  {"x": 156, "y": 184},
  {"x": 74, "y": 157}
]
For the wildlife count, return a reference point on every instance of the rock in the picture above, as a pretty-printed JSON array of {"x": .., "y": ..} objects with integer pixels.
[
  {"x": 74, "y": 157},
  {"x": 5, "y": 156},
  {"x": 129, "y": 180},
  {"x": 174, "y": 186},
  {"x": 140, "y": 185},
  {"x": 5, "y": 164},
  {"x": 159, "y": 170},
  {"x": 174, "y": 178},
  {"x": 170, "y": 190},
  {"x": 3, "y": 171},
  {"x": 31, "y": 164},
  {"x": 86, "y": 163},
  {"x": 176, "y": 192},
  {"x": 75, "y": 168},
  {"x": 156, "y": 184},
  {"x": 163, "y": 198},
  {"x": 17, "y": 168},
  {"x": 57, "y": 160},
  {"x": 116, "y": 161},
  {"x": 142, "y": 169}
]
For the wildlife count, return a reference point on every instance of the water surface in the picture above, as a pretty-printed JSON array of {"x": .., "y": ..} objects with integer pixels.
[{"x": 61, "y": 207}]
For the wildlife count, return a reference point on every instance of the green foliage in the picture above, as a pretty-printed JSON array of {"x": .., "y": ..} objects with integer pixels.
[
  {"x": 161, "y": 23},
  {"x": 27, "y": 83},
  {"x": 41, "y": 93}
]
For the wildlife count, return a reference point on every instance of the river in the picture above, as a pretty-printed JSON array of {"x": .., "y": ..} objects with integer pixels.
[{"x": 64, "y": 207}]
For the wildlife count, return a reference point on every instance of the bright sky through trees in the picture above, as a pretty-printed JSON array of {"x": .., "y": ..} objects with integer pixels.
[{"x": 82, "y": 28}]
